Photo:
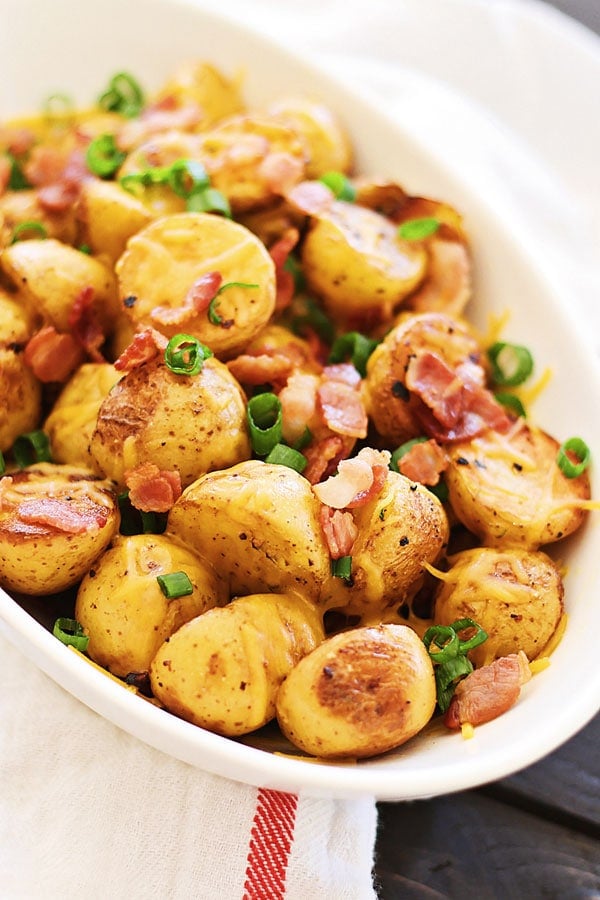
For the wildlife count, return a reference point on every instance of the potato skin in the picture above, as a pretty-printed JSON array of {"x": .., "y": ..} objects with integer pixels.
[
  {"x": 21, "y": 394},
  {"x": 190, "y": 423},
  {"x": 515, "y": 595},
  {"x": 109, "y": 216},
  {"x": 328, "y": 145},
  {"x": 360, "y": 693},
  {"x": 38, "y": 554},
  {"x": 259, "y": 524},
  {"x": 122, "y": 608},
  {"x": 223, "y": 669},
  {"x": 510, "y": 492},
  {"x": 403, "y": 527}
]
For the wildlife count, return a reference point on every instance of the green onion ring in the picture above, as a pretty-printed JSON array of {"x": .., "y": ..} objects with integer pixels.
[
  {"x": 418, "y": 229},
  {"x": 478, "y": 638},
  {"x": 103, "y": 157},
  {"x": 186, "y": 177},
  {"x": 282, "y": 455},
  {"x": 210, "y": 200},
  {"x": 123, "y": 95},
  {"x": 340, "y": 186},
  {"x": 30, "y": 448},
  {"x": 175, "y": 584},
  {"x": 342, "y": 567},
  {"x": 185, "y": 354},
  {"x": 38, "y": 230},
  {"x": 512, "y": 403},
  {"x": 2, "y": 464},
  {"x": 264, "y": 421},
  {"x": 353, "y": 346},
  {"x": 70, "y": 632},
  {"x": 445, "y": 638},
  {"x": 580, "y": 449},
  {"x": 511, "y": 364}
]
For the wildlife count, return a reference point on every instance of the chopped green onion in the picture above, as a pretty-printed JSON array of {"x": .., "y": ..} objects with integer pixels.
[
  {"x": 34, "y": 229},
  {"x": 135, "y": 180},
  {"x": 2, "y": 464},
  {"x": 418, "y": 229},
  {"x": 58, "y": 106},
  {"x": 402, "y": 450},
  {"x": 342, "y": 567},
  {"x": 153, "y": 522},
  {"x": 445, "y": 639},
  {"x": 175, "y": 584},
  {"x": 304, "y": 439},
  {"x": 341, "y": 186},
  {"x": 187, "y": 177},
  {"x": 85, "y": 248},
  {"x": 30, "y": 448},
  {"x": 185, "y": 354},
  {"x": 511, "y": 364},
  {"x": 511, "y": 402},
  {"x": 134, "y": 521},
  {"x": 213, "y": 315},
  {"x": 264, "y": 420},
  {"x": 210, "y": 200},
  {"x": 292, "y": 266},
  {"x": 16, "y": 180},
  {"x": 439, "y": 490},
  {"x": 282, "y": 455},
  {"x": 576, "y": 447},
  {"x": 354, "y": 346},
  {"x": 123, "y": 95},
  {"x": 450, "y": 655},
  {"x": 70, "y": 632},
  {"x": 103, "y": 157}
]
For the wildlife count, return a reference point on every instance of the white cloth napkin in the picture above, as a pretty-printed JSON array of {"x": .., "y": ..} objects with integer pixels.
[{"x": 86, "y": 809}]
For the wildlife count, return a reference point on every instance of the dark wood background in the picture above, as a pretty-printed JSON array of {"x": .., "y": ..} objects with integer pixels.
[{"x": 534, "y": 835}]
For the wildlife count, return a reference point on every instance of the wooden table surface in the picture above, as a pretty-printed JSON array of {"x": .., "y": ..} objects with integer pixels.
[{"x": 534, "y": 835}]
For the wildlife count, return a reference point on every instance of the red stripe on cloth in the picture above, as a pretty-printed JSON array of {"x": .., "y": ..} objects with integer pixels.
[{"x": 271, "y": 839}]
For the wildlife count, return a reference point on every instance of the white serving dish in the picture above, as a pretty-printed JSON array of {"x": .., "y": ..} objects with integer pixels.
[{"x": 148, "y": 39}]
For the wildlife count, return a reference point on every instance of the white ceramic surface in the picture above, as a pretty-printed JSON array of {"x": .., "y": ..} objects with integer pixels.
[{"x": 69, "y": 47}]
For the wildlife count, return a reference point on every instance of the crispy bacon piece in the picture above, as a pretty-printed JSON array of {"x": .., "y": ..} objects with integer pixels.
[
  {"x": 53, "y": 356},
  {"x": 62, "y": 515},
  {"x": 145, "y": 346},
  {"x": 84, "y": 324},
  {"x": 323, "y": 458},
  {"x": 488, "y": 692},
  {"x": 339, "y": 529},
  {"x": 424, "y": 462},
  {"x": 265, "y": 368},
  {"x": 281, "y": 171},
  {"x": 453, "y": 407},
  {"x": 310, "y": 197},
  {"x": 342, "y": 409},
  {"x": 343, "y": 372},
  {"x": 152, "y": 489},
  {"x": 16, "y": 140},
  {"x": 196, "y": 301},
  {"x": 358, "y": 481},
  {"x": 58, "y": 178},
  {"x": 155, "y": 119},
  {"x": 284, "y": 280}
]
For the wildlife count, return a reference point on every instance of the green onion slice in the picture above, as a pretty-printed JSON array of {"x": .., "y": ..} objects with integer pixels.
[
  {"x": 576, "y": 447},
  {"x": 103, "y": 157},
  {"x": 58, "y": 106},
  {"x": 210, "y": 200},
  {"x": 186, "y": 177},
  {"x": 511, "y": 402},
  {"x": 30, "y": 228},
  {"x": 402, "y": 450},
  {"x": 70, "y": 632},
  {"x": 17, "y": 180},
  {"x": 213, "y": 315},
  {"x": 264, "y": 421},
  {"x": 342, "y": 567},
  {"x": 304, "y": 439},
  {"x": 185, "y": 354},
  {"x": 340, "y": 186},
  {"x": 292, "y": 266},
  {"x": 123, "y": 95},
  {"x": 353, "y": 346},
  {"x": 478, "y": 638},
  {"x": 418, "y": 229},
  {"x": 511, "y": 364},
  {"x": 2, "y": 464},
  {"x": 282, "y": 455},
  {"x": 30, "y": 448},
  {"x": 175, "y": 584},
  {"x": 445, "y": 639}
]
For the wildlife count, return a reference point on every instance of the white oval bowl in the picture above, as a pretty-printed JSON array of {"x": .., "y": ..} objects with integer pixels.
[{"x": 148, "y": 39}]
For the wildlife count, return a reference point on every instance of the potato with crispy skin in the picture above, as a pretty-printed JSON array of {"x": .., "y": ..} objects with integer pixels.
[
  {"x": 508, "y": 489},
  {"x": 328, "y": 145},
  {"x": 108, "y": 217},
  {"x": 202, "y": 85},
  {"x": 257, "y": 523},
  {"x": 123, "y": 609},
  {"x": 55, "y": 521},
  {"x": 515, "y": 595},
  {"x": 191, "y": 423},
  {"x": 223, "y": 669},
  {"x": 21, "y": 394},
  {"x": 360, "y": 693}
]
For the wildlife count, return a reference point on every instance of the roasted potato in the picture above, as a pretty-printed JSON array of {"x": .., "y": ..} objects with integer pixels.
[
  {"x": 355, "y": 262},
  {"x": 202, "y": 85},
  {"x": 515, "y": 595},
  {"x": 164, "y": 262},
  {"x": 327, "y": 144},
  {"x": 55, "y": 521},
  {"x": 123, "y": 609},
  {"x": 161, "y": 150},
  {"x": 20, "y": 207},
  {"x": 21, "y": 394},
  {"x": 192, "y": 423},
  {"x": 508, "y": 489},
  {"x": 360, "y": 693},
  {"x": 72, "y": 420},
  {"x": 223, "y": 669},
  {"x": 259, "y": 525},
  {"x": 108, "y": 217}
]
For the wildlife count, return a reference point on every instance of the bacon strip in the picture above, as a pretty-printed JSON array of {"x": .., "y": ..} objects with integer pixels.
[
  {"x": 424, "y": 462},
  {"x": 152, "y": 489},
  {"x": 488, "y": 692},
  {"x": 342, "y": 409},
  {"x": 145, "y": 346},
  {"x": 323, "y": 458},
  {"x": 339, "y": 530},
  {"x": 62, "y": 515},
  {"x": 358, "y": 481},
  {"x": 197, "y": 300},
  {"x": 53, "y": 356},
  {"x": 284, "y": 280},
  {"x": 262, "y": 369},
  {"x": 84, "y": 325},
  {"x": 310, "y": 197}
]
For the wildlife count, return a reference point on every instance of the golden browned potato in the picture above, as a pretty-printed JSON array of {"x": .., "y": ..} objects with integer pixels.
[
  {"x": 508, "y": 489},
  {"x": 223, "y": 669},
  {"x": 51, "y": 277},
  {"x": 515, "y": 595},
  {"x": 158, "y": 151},
  {"x": 191, "y": 423},
  {"x": 355, "y": 262},
  {"x": 259, "y": 525},
  {"x": 402, "y": 528},
  {"x": 19, "y": 207},
  {"x": 164, "y": 262},
  {"x": 123, "y": 609},
  {"x": 391, "y": 406},
  {"x": 17, "y": 320},
  {"x": 360, "y": 693},
  {"x": 109, "y": 216},
  {"x": 328, "y": 145},
  {"x": 54, "y": 523},
  {"x": 72, "y": 420},
  {"x": 21, "y": 393},
  {"x": 202, "y": 85}
]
